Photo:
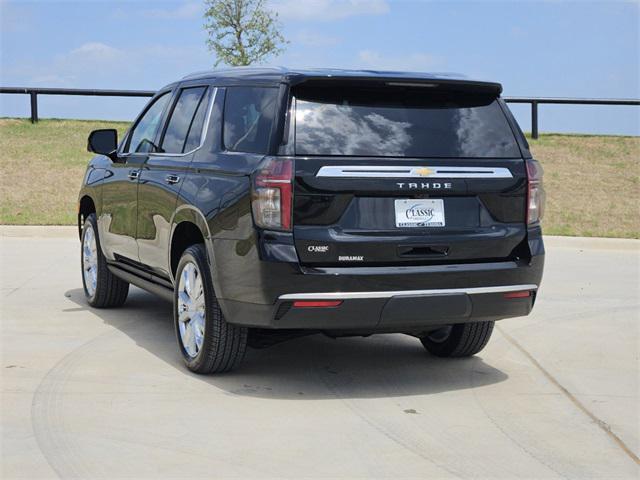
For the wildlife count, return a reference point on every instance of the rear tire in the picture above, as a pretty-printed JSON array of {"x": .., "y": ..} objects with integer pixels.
[
  {"x": 101, "y": 287},
  {"x": 207, "y": 342},
  {"x": 460, "y": 340}
]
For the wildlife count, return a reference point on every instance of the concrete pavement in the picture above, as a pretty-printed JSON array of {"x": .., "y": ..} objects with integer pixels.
[{"x": 102, "y": 393}]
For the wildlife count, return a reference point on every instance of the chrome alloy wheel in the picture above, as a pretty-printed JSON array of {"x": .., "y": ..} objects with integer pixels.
[
  {"x": 90, "y": 261},
  {"x": 191, "y": 309}
]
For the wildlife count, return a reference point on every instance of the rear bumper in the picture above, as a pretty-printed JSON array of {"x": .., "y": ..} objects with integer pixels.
[
  {"x": 403, "y": 312},
  {"x": 374, "y": 299}
]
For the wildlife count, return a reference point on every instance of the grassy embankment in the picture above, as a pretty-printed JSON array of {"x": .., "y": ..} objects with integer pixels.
[{"x": 592, "y": 182}]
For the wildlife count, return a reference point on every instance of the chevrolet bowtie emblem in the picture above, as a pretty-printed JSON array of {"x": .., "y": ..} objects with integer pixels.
[{"x": 423, "y": 172}]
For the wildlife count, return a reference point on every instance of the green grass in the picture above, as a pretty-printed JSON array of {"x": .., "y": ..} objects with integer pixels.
[
  {"x": 41, "y": 169},
  {"x": 592, "y": 182}
]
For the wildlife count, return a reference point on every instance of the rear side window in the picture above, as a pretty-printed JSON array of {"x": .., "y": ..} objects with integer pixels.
[
  {"x": 401, "y": 122},
  {"x": 182, "y": 129},
  {"x": 249, "y": 113},
  {"x": 194, "y": 137}
]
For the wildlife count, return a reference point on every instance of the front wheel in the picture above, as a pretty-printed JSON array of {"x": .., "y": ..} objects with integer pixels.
[
  {"x": 207, "y": 342},
  {"x": 460, "y": 340},
  {"x": 101, "y": 287}
]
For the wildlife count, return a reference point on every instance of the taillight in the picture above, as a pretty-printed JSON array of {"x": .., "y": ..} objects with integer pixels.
[
  {"x": 317, "y": 303},
  {"x": 535, "y": 192},
  {"x": 518, "y": 294},
  {"x": 273, "y": 194}
]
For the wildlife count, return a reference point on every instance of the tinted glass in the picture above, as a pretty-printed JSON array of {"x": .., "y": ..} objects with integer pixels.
[
  {"x": 143, "y": 134},
  {"x": 248, "y": 116},
  {"x": 195, "y": 132},
  {"x": 182, "y": 119},
  {"x": 402, "y": 122}
]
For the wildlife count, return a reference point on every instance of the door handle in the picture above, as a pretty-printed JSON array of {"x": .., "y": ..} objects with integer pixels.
[
  {"x": 171, "y": 179},
  {"x": 133, "y": 174}
]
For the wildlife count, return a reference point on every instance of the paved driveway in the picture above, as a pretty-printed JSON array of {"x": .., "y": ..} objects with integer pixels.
[{"x": 102, "y": 393}]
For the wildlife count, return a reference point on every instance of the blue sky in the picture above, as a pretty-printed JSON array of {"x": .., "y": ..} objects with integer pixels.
[{"x": 542, "y": 48}]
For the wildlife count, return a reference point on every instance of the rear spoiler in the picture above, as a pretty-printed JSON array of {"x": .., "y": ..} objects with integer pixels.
[{"x": 470, "y": 86}]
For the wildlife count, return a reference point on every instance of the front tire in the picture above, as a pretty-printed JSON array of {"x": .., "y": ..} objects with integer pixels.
[
  {"x": 101, "y": 287},
  {"x": 207, "y": 342},
  {"x": 460, "y": 340}
]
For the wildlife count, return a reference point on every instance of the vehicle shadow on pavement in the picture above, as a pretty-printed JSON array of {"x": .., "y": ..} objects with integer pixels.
[{"x": 308, "y": 368}]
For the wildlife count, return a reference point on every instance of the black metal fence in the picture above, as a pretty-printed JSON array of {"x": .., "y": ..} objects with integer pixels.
[{"x": 533, "y": 101}]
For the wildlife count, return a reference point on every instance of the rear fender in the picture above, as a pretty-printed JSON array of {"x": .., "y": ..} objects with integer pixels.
[{"x": 188, "y": 213}]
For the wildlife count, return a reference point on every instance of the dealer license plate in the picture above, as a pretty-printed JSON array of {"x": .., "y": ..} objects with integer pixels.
[{"x": 419, "y": 213}]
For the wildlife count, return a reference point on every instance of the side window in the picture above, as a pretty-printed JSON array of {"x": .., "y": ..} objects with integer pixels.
[
  {"x": 182, "y": 120},
  {"x": 249, "y": 113},
  {"x": 141, "y": 138},
  {"x": 195, "y": 133}
]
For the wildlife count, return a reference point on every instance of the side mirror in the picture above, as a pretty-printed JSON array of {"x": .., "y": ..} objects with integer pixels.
[{"x": 103, "y": 142}]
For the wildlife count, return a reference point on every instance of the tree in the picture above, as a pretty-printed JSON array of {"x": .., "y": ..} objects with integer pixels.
[{"x": 242, "y": 32}]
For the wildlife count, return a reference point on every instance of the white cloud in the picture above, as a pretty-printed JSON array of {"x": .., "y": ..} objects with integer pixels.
[
  {"x": 88, "y": 59},
  {"x": 88, "y": 66},
  {"x": 325, "y": 10},
  {"x": 98, "y": 65},
  {"x": 408, "y": 62},
  {"x": 92, "y": 51}
]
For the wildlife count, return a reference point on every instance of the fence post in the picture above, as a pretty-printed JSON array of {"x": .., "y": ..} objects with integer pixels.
[
  {"x": 534, "y": 119},
  {"x": 34, "y": 106}
]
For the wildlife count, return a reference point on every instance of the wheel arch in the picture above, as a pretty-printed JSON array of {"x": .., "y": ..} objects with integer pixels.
[
  {"x": 86, "y": 206},
  {"x": 189, "y": 227}
]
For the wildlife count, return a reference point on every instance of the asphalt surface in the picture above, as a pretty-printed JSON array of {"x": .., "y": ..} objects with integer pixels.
[{"x": 102, "y": 393}]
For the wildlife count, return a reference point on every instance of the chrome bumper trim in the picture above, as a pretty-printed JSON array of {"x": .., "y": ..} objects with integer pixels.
[{"x": 389, "y": 294}]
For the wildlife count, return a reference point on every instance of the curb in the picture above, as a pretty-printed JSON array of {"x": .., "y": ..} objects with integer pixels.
[
  {"x": 592, "y": 243},
  {"x": 44, "y": 231}
]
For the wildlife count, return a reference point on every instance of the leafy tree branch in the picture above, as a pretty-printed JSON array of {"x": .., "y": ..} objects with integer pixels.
[{"x": 242, "y": 32}]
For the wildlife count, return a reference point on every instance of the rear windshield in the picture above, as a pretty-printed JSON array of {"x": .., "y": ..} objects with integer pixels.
[{"x": 400, "y": 122}]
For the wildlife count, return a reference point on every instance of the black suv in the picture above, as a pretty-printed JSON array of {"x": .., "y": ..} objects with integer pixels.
[{"x": 269, "y": 203}]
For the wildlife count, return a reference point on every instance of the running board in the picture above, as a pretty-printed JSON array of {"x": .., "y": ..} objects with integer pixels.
[{"x": 146, "y": 284}]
